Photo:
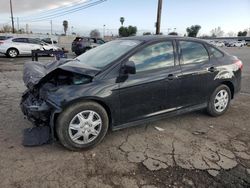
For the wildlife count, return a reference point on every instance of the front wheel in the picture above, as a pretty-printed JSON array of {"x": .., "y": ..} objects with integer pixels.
[
  {"x": 219, "y": 101},
  {"x": 82, "y": 125}
]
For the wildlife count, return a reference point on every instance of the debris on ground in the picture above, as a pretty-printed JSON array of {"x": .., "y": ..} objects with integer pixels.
[
  {"x": 213, "y": 172},
  {"x": 36, "y": 136},
  {"x": 159, "y": 129},
  {"x": 198, "y": 132}
]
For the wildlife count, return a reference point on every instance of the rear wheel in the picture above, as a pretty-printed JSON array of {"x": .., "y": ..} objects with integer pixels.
[
  {"x": 219, "y": 101},
  {"x": 12, "y": 52},
  {"x": 82, "y": 125}
]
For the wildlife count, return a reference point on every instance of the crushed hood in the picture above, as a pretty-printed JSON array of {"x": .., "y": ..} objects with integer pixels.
[{"x": 34, "y": 72}]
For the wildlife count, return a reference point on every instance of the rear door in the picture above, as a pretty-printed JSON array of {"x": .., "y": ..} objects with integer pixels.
[
  {"x": 197, "y": 72},
  {"x": 154, "y": 87},
  {"x": 20, "y": 44}
]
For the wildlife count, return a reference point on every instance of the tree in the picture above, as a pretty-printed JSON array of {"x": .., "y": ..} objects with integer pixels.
[
  {"x": 127, "y": 31},
  {"x": 6, "y": 29},
  {"x": 122, "y": 20},
  {"x": 231, "y": 34},
  {"x": 65, "y": 26},
  {"x": 217, "y": 32},
  {"x": 240, "y": 33},
  {"x": 95, "y": 33},
  {"x": 193, "y": 30},
  {"x": 172, "y": 33}
]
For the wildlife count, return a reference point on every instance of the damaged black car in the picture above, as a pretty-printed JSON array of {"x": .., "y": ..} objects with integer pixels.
[{"x": 127, "y": 82}]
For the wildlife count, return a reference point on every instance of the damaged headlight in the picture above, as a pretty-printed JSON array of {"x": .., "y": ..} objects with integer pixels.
[{"x": 80, "y": 79}]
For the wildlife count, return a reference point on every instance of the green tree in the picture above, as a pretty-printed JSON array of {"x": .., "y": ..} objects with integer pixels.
[
  {"x": 122, "y": 20},
  {"x": 65, "y": 26},
  {"x": 127, "y": 31},
  {"x": 240, "y": 33},
  {"x": 193, "y": 30}
]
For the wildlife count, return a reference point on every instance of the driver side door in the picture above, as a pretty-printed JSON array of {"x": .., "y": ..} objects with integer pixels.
[{"x": 144, "y": 94}]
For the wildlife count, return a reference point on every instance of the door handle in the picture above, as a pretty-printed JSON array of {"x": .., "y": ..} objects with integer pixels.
[
  {"x": 212, "y": 69},
  {"x": 172, "y": 77}
]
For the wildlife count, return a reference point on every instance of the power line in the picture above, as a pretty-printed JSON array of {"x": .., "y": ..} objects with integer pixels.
[
  {"x": 58, "y": 9},
  {"x": 55, "y": 15}
]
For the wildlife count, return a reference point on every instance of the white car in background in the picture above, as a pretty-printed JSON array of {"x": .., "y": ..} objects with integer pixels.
[
  {"x": 219, "y": 44},
  {"x": 22, "y": 46},
  {"x": 238, "y": 44}
]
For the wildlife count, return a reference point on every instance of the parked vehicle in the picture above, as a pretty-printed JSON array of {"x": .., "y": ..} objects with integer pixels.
[
  {"x": 4, "y": 37},
  {"x": 127, "y": 82},
  {"x": 237, "y": 44},
  {"x": 219, "y": 44},
  {"x": 13, "y": 47},
  {"x": 83, "y": 44},
  {"x": 49, "y": 41}
]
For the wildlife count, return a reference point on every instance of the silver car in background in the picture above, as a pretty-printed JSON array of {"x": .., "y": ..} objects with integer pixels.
[{"x": 23, "y": 46}]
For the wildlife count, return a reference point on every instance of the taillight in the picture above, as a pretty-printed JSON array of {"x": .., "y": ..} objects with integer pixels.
[
  {"x": 239, "y": 64},
  {"x": 1, "y": 42}
]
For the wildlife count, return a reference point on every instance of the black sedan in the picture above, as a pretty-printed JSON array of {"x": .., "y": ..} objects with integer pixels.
[{"x": 128, "y": 82}]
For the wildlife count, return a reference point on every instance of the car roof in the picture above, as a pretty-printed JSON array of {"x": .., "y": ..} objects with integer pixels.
[{"x": 149, "y": 38}]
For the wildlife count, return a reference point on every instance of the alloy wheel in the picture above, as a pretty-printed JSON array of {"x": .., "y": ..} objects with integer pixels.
[
  {"x": 13, "y": 53},
  {"x": 221, "y": 100}
]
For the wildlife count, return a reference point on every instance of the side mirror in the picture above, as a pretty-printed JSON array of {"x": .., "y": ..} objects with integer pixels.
[{"x": 129, "y": 68}]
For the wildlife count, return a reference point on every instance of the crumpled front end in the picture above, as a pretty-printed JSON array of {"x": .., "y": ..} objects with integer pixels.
[{"x": 36, "y": 110}]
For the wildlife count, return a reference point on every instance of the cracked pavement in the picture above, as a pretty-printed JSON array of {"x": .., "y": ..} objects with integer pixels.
[{"x": 191, "y": 150}]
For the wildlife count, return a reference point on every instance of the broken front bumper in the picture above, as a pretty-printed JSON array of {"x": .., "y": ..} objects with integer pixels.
[{"x": 36, "y": 110}]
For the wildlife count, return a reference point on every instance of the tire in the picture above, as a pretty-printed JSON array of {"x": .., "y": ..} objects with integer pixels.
[
  {"x": 215, "y": 107},
  {"x": 81, "y": 129},
  {"x": 12, "y": 52}
]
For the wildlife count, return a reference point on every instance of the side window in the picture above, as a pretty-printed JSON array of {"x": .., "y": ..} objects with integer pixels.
[
  {"x": 193, "y": 52},
  {"x": 155, "y": 56},
  {"x": 22, "y": 40},
  {"x": 215, "y": 53},
  {"x": 34, "y": 41}
]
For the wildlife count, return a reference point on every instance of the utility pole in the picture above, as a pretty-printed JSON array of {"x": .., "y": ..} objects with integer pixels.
[
  {"x": 51, "y": 29},
  {"x": 12, "y": 18},
  {"x": 158, "y": 23},
  {"x": 17, "y": 19}
]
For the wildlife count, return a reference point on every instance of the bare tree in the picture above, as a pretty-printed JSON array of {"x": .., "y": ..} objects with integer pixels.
[
  {"x": 95, "y": 33},
  {"x": 217, "y": 32},
  {"x": 65, "y": 26},
  {"x": 231, "y": 34},
  {"x": 6, "y": 29}
]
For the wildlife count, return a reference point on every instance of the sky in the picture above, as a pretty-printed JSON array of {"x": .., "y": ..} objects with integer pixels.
[{"x": 230, "y": 15}]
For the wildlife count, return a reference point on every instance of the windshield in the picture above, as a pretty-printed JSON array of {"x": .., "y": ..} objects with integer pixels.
[{"x": 104, "y": 54}]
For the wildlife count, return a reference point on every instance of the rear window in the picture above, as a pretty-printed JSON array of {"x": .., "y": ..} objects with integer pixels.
[
  {"x": 193, "y": 52},
  {"x": 214, "y": 53}
]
